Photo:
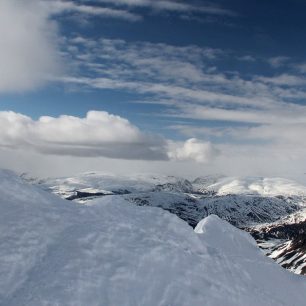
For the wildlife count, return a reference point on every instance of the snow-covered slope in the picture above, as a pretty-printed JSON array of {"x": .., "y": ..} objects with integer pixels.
[
  {"x": 109, "y": 252},
  {"x": 95, "y": 182},
  {"x": 239, "y": 210},
  {"x": 191, "y": 202},
  {"x": 283, "y": 238},
  {"x": 221, "y": 185},
  {"x": 285, "y": 242}
]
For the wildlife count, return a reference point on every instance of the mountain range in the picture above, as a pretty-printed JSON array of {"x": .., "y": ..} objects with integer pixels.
[{"x": 273, "y": 210}]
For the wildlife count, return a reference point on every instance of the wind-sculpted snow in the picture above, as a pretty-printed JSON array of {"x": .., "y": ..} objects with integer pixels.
[{"x": 110, "y": 252}]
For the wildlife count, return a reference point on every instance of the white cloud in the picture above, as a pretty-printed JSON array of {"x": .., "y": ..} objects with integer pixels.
[
  {"x": 53, "y": 146},
  {"x": 185, "y": 74},
  {"x": 186, "y": 83},
  {"x": 301, "y": 67},
  {"x": 184, "y": 78},
  {"x": 278, "y": 61},
  {"x": 193, "y": 150},
  {"x": 180, "y": 93},
  {"x": 286, "y": 113},
  {"x": 177, "y": 72},
  {"x": 247, "y": 58},
  {"x": 98, "y": 134},
  {"x": 283, "y": 80},
  {"x": 28, "y": 51},
  {"x": 61, "y": 6},
  {"x": 172, "y": 5},
  {"x": 275, "y": 149},
  {"x": 119, "y": 58}
]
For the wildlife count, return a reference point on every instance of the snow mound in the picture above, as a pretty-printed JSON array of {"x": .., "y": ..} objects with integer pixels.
[
  {"x": 232, "y": 240},
  {"x": 110, "y": 252}
]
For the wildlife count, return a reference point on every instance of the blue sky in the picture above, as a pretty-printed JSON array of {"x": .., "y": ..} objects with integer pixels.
[{"x": 200, "y": 84}]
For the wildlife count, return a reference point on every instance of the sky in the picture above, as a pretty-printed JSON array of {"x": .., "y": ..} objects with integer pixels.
[{"x": 176, "y": 87}]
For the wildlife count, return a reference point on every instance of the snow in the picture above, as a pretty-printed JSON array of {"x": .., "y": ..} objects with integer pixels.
[
  {"x": 109, "y": 182},
  {"x": 110, "y": 252},
  {"x": 220, "y": 185},
  {"x": 253, "y": 202},
  {"x": 232, "y": 239},
  {"x": 180, "y": 197},
  {"x": 300, "y": 268},
  {"x": 253, "y": 185}
]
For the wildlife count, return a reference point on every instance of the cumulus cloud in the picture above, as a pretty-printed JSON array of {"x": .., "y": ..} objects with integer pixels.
[
  {"x": 193, "y": 150},
  {"x": 98, "y": 134},
  {"x": 62, "y": 143},
  {"x": 28, "y": 48}
]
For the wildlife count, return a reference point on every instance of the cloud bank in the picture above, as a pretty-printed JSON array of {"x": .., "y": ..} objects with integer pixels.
[
  {"x": 99, "y": 134},
  {"x": 102, "y": 141}
]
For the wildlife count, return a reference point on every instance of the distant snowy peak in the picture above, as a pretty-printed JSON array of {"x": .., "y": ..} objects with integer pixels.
[
  {"x": 182, "y": 185},
  {"x": 249, "y": 185},
  {"x": 242, "y": 202},
  {"x": 100, "y": 183},
  {"x": 208, "y": 180},
  {"x": 207, "y": 185}
]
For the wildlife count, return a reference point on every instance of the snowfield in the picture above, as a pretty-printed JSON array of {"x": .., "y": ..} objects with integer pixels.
[
  {"x": 191, "y": 201},
  {"x": 110, "y": 252},
  {"x": 217, "y": 184},
  {"x": 261, "y": 186}
]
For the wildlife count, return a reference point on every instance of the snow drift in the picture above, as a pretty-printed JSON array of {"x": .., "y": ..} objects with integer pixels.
[{"x": 110, "y": 252}]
